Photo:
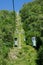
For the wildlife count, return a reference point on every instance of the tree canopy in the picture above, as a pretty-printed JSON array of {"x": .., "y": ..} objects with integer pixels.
[
  {"x": 32, "y": 18},
  {"x": 7, "y": 28}
]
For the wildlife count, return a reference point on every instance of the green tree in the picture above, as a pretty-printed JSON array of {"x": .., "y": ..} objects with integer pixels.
[
  {"x": 32, "y": 18},
  {"x": 7, "y": 29}
]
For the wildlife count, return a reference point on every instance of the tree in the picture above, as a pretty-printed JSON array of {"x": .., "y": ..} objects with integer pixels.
[
  {"x": 32, "y": 18},
  {"x": 7, "y": 29}
]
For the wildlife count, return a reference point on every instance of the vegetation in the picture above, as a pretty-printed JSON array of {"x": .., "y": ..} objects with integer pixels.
[
  {"x": 32, "y": 18},
  {"x": 27, "y": 55},
  {"x": 7, "y": 28}
]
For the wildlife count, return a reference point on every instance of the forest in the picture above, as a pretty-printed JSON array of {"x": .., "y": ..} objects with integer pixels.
[{"x": 32, "y": 23}]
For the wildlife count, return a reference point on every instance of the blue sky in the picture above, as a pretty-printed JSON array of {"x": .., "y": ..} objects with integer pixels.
[{"x": 7, "y": 4}]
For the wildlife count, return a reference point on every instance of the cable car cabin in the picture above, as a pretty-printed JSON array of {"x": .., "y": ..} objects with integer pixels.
[
  {"x": 34, "y": 41},
  {"x": 15, "y": 42}
]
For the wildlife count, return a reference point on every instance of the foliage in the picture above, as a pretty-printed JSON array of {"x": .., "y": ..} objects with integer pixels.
[
  {"x": 32, "y": 18},
  {"x": 7, "y": 28},
  {"x": 26, "y": 56}
]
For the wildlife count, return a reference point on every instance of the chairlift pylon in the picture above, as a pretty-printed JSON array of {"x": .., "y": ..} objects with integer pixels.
[{"x": 13, "y": 4}]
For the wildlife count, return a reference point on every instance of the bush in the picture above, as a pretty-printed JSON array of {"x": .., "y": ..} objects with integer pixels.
[{"x": 27, "y": 55}]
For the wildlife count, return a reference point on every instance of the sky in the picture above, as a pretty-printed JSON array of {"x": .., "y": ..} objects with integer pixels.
[{"x": 7, "y": 4}]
